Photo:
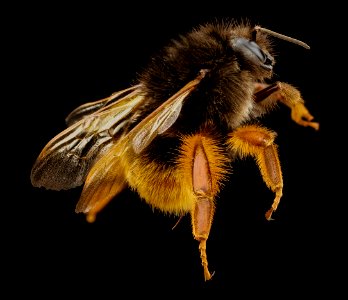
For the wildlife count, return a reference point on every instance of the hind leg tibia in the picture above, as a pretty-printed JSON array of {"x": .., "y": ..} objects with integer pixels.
[{"x": 205, "y": 168}]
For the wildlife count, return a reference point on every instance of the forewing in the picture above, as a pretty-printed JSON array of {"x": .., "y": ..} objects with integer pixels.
[
  {"x": 162, "y": 118},
  {"x": 91, "y": 107},
  {"x": 107, "y": 176},
  {"x": 67, "y": 158}
]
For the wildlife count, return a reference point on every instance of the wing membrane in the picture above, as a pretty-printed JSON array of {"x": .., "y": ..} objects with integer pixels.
[
  {"x": 107, "y": 176},
  {"x": 66, "y": 159},
  {"x": 162, "y": 118},
  {"x": 89, "y": 108}
]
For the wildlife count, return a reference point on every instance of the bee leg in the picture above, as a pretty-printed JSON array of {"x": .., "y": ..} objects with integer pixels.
[
  {"x": 202, "y": 167},
  {"x": 99, "y": 206},
  {"x": 97, "y": 203},
  {"x": 259, "y": 142},
  {"x": 101, "y": 186},
  {"x": 288, "y": 95},
  {"x": 202, "y": 218},
  {"x": 203, "y": 211}
]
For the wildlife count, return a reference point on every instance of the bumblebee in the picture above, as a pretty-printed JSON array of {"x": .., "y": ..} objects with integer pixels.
[{"x": 173, "y": 136}]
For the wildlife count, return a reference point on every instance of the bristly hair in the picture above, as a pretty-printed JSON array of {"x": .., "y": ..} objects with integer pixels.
[{"x": 224, "y": 89}]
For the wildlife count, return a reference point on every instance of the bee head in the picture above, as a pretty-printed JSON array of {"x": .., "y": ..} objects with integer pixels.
[{"x": 253, "y": 49}]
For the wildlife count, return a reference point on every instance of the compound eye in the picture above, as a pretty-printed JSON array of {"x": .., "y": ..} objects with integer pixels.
[
  {"x": 256, "y": 50},
  {"x": 252, "y": 51}
]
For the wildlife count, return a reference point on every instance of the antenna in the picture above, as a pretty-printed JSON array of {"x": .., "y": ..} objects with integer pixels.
[{"x": 281, "y": 36}]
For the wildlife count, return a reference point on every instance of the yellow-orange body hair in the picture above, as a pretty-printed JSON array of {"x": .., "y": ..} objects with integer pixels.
[{"x": 169, "y": 188}]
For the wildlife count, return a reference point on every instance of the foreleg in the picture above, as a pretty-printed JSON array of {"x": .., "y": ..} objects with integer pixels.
[{"x": 288, "y": 95}]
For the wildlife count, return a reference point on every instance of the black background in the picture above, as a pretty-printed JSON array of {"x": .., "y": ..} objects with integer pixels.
[{"x": 63, "y": 57}]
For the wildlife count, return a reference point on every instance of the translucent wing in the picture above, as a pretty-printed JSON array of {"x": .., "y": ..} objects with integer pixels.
[
  {"x": 67, "y": 158},
  {"x": 162, "y": 118},
  {"x": 90, "y": 108},
  {"x": 107, "y": 176}
]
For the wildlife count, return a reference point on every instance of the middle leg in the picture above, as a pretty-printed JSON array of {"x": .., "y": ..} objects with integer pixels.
[{"x": 259, "y": 142}]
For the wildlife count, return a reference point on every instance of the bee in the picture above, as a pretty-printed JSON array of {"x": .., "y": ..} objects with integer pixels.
[{"x": 173, "y": 136}]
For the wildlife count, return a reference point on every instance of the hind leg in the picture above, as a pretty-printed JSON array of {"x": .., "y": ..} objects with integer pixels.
[{"x": 204, "y": 168}]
